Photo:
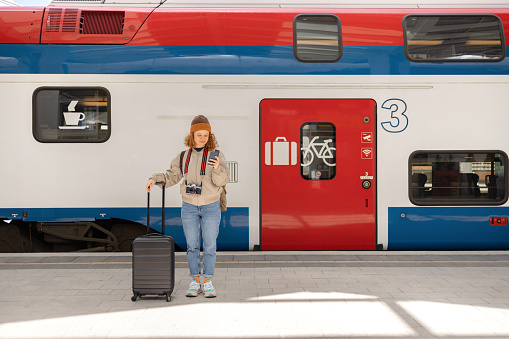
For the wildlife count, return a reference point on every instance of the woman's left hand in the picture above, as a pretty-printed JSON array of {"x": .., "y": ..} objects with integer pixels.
[{"x": 214, "y": 163}]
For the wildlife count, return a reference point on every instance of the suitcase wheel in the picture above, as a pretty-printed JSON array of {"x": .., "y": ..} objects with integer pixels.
[
  {"x": 134, "y": 297},
  {"x": 168, "y": 298}
]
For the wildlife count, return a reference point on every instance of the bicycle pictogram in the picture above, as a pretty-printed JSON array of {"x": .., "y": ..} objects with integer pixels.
[{"x": 322, "y": 151}]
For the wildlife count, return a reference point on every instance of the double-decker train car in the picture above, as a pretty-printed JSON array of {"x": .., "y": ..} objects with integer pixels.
[{"x": 346, "y": 125}]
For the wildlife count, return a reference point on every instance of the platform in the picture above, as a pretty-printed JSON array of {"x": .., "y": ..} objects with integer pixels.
[{"x": 262, "y": 295}]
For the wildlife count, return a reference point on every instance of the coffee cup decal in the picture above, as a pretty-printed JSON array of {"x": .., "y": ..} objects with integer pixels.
[{"x": 73, "y": 118}]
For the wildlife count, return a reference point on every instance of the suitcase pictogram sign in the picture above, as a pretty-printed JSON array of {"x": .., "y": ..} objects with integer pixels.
[{"x": 280, "y": 152}]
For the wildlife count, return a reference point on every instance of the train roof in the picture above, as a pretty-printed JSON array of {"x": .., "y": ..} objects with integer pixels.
[{"x": 285, "y": 3}]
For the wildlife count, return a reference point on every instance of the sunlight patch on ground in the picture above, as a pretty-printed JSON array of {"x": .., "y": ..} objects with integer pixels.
[
  {"x": 444, "y": 319},
  {"x": 315, "y": 296},
  {"x": 250, "y": 319}
]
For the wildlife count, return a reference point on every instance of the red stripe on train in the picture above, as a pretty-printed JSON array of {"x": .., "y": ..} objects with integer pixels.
[
  {"x": 213, "y": 27},
  {"x": 274, "y": 27}
]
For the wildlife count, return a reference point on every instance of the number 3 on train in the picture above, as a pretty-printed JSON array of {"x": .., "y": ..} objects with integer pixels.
[{"x": 398, "y": 120}]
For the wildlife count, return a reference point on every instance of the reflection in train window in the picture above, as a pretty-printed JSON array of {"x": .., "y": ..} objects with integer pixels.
[
  {"x": 454, "y": 178},
  {"x": 454, "y": 38},
  {"x": 71, "y": 114},
  {"x": 318, "y": 151},
  {"x": 317, "y": 38}
]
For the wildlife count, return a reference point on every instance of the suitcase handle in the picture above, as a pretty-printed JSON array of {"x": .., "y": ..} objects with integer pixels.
[{"x": 148, "y": 209}]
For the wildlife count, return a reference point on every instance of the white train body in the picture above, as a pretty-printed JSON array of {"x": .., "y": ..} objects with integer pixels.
[{"x": 444, "y": 108}]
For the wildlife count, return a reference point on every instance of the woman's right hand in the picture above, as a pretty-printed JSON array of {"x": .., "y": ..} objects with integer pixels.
[{"x": 150, "y": 183}]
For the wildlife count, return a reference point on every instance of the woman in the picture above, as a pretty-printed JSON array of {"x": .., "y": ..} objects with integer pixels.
[{"x": 204, "y": 178}]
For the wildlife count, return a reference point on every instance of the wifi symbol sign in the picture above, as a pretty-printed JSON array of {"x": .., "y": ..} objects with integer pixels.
[{"x": 366, "y": 153}]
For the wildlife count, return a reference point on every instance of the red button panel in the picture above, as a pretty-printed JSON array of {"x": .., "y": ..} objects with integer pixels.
[{"x": 498, "y": 221}]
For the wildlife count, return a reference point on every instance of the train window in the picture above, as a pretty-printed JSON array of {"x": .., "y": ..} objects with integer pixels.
[
  {"x": 458, "y": 178},
  {"x": 71, "y": 114},
  {"x": 454, "y": 38},
  {"x": 318, "y": 151},
  {"x": 317, "y": 38}
]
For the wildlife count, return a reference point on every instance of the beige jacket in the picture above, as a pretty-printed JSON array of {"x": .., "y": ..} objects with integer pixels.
[{"x": 212, "y": 182}]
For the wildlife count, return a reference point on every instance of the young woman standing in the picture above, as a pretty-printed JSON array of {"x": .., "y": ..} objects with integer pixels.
[{"x": 204, "y": 178}]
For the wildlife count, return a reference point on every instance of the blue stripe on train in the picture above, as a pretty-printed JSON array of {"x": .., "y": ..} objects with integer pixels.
[
  {"x": 233, "y": 229},
  {"x": 447, "y": 228},
  {"x": 146, "y": 59}
]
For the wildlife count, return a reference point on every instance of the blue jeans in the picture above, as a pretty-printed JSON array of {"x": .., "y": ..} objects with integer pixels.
[{"x": 201, "y": 222}]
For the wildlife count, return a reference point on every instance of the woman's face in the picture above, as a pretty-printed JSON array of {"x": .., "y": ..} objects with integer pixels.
[{"x": 200, "y": 138}]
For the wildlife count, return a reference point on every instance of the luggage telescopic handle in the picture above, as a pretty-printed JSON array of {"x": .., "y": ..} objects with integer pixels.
[{"x": 148, "y": 208}]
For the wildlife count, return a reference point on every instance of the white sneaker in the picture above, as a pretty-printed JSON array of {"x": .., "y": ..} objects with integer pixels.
[
  {"x": 209, "y": 290},
  {"x": 194, "y": 289}
]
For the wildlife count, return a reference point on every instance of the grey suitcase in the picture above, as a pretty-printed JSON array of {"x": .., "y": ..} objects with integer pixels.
[{"x": 153, "y": 262}]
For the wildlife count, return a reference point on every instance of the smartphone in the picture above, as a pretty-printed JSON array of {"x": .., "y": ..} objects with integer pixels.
[{"x": 213, "y": 155}]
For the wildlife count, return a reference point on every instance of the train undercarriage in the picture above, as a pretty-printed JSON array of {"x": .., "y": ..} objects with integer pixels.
[{"x": 111, "y": 235}]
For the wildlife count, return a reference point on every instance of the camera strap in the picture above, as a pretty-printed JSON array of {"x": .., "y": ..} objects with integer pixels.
[{"x": 203, "y": 162}]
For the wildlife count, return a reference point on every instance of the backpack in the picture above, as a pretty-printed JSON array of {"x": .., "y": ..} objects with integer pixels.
[{"x": 222, "y": 199}]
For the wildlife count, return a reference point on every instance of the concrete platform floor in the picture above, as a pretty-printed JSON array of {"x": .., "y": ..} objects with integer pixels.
[{"x": 262, "y": 295}]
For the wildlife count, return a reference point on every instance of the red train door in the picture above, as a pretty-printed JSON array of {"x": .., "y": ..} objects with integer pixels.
[{"x": 318, "y": 174}]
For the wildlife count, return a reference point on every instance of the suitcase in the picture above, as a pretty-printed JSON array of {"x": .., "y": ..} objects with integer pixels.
[{"x": 153, "y": 262}]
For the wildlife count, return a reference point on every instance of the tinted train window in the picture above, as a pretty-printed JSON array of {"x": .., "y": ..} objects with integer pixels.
[
  {"x": 71, "y": 114},
  {"x": 454, "y": 38},
  {"x": 317, "y": 38},
  {"x": 318, "y": 151},
  {"x": 447, "y": 178}
]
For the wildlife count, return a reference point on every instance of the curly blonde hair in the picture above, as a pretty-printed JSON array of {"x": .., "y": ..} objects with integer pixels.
[{"x": 211, "y": 143}]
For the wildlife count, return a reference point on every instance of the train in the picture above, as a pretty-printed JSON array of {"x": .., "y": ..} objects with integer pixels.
[{"x": 347, "y": 126}]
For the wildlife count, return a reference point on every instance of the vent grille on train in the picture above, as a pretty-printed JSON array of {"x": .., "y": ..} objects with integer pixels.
[
  {"x": 69, "y": 21},
  {"x": 53, "y": 20},
  {"x": 94, "y": 22},
  {"x": 60, "y": 20},
  {"x": 233, "y": 166}
]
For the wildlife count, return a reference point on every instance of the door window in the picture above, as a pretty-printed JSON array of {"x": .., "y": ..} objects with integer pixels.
[{"x": 318, "y": 151}]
